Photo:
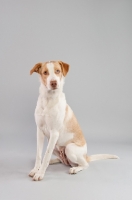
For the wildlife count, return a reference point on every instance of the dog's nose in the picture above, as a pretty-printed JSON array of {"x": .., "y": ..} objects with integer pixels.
[{"x": 53, "y": 84}]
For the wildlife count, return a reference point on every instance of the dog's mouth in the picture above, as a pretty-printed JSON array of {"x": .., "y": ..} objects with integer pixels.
[{"x": 55, "y": 88}]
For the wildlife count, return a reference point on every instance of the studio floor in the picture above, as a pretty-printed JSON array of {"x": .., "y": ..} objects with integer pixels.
[{"x": 106, "y": 179}]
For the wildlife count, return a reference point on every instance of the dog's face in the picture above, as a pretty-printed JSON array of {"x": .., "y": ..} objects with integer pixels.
[{"x": 51, "y": 73}]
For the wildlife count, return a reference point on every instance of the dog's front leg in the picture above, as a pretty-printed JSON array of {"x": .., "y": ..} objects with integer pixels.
[
  {"x": 40, "y": 142},
  {"x": 51, "y": 145}
]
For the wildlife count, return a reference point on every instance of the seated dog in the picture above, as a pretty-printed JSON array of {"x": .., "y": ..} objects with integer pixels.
[{"x": 56, "y": 120}]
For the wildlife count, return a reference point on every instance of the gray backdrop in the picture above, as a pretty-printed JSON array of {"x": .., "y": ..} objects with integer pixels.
[{"x": 95, "y": 38}]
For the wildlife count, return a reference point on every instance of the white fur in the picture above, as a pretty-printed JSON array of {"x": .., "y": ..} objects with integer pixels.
[{"x": 49, "y": 116}]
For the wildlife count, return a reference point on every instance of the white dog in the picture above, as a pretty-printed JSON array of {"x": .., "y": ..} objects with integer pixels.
[{"x": 56, "y": 120}]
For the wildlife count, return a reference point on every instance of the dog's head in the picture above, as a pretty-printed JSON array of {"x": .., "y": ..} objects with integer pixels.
[{"x": 51, "y": 73}]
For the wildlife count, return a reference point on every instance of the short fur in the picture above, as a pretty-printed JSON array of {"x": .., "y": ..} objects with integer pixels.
[{"x": 56, "y": 120}]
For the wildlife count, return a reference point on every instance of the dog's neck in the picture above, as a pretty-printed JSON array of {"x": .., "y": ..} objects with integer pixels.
[{"x": 50, "y": 94}]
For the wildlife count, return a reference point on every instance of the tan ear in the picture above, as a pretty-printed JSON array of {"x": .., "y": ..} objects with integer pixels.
[
  {"x": 36, "y": 68},
  {"x": 64, "y": 67}
]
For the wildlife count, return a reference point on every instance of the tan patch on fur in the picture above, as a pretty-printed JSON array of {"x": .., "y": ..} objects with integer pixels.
[
  {"x": 64, "y": 67},
  {"x": 44, "y": 76},
  {"x": 57, "y": 67},
  {"x": 72, "y": 126},
  {"x": 36, "y": 68}
]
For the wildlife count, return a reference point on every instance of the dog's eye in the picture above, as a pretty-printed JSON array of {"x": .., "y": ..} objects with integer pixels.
[
  {"x": 45, "y": 72},
  {"x": 57, "y": 71}
]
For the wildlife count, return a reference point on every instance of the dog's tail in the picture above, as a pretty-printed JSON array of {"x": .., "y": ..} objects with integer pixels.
[{"x": 101, "y": 157}]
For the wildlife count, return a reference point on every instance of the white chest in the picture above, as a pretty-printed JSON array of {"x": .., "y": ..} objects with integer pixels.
[{"x": 50, "y": 113}]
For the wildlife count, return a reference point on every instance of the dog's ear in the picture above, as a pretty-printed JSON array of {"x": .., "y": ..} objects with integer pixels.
[
  {"x": 64, "y": 67},
  {"x": 36, "y": 68}
]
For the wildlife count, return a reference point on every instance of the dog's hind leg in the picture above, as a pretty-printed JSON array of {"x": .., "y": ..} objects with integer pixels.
[{"x": 77, "y": 154}]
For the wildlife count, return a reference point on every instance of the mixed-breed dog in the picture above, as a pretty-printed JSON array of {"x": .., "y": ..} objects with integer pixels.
[{"x": 56, "y": 121}]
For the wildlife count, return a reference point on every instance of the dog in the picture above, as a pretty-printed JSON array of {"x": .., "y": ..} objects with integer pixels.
[{"x": 56, "y": 121}]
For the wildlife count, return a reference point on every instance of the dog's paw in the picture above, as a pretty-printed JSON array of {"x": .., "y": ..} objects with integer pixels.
[
  {"x": 72, "y": 170},
  {"x": 75, "y": 170},
  {"x": 38, "y": 176},
  {"x": 33, "y": 172}
]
